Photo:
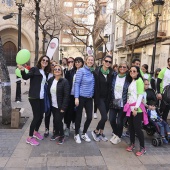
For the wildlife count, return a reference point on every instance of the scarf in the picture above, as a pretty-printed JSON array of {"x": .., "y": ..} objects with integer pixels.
[{"x": 105, "y": 72}]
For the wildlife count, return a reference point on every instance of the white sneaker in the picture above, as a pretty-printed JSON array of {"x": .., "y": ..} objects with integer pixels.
[
  {"x": 73, "y": 126},
  {"x": 77, "y": 138},
  {"x": 95, "y": 115},
  {"x": 85, "y": 137},
  {"x": 113, "y": 138},
  {"x": 116, "y": 140}
]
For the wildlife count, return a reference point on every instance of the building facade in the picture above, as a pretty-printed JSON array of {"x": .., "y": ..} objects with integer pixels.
[{"x": 126, "y": 32}]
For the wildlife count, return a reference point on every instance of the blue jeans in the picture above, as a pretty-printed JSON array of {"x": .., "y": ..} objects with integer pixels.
[
  {"x": 116, "y": 117},
  {"x": 164, "y": 127}
]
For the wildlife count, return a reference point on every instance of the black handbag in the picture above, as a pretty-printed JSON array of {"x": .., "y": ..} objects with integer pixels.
[{"x": 116, "y": 103}]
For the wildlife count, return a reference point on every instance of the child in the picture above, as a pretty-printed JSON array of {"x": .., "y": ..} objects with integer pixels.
[{"x": 158, "y": 121}]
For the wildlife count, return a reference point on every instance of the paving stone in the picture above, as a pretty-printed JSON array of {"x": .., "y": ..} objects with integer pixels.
[
  {"x": 56, "y": 161},
  {"x": 3, "y": 161},
  {"x": 76, "y": 161},
  {"x": 94, "y": 160},
  {"x": 17, "y": 163}
]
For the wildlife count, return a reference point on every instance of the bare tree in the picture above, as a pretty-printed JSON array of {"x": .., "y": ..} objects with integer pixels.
[
  {"x": 6, "y": 89},
  {"x": 73, "y": 27},
  {"x": 140, "y": 22},
  {"x": 50, "y": 20}
]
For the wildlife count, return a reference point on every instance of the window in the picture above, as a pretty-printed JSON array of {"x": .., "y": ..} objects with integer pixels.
[
  {"x": 79, "y": 11},
  {"x": 8, "y": 2},
  {"x": 66, "y": 40},
  {"x": 103, "y": 10},
  {"x": 69, "y": 13},
  {"x": 68, "y": 4},
  {"x": 80, "y": 4}
]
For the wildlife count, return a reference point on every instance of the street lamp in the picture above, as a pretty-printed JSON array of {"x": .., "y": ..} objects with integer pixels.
[
  {"x": 61, "y": 53},
  {"x": 157, "y": 11},
  {"x": 37, "y": 15},
  {"x": 106, "y": 37},
  {"x": 20, "y": 4}
]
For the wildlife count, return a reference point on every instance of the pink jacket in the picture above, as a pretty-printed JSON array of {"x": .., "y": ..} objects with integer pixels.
[{"x": 142, "y": 106}]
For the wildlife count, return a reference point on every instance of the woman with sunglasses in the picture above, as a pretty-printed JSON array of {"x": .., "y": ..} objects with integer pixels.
[
  {"x": 58, "y": 91},
  {"x": 70, "y": 76},
  {"x": 119, "y": 91},
  {"x": 136, "y": 109},
  {"x": 83, "y": 93},
  {"x": 37, "y": 76},
  {"x": 48, "y": 113},
  {"x": 103, "y": 75}
]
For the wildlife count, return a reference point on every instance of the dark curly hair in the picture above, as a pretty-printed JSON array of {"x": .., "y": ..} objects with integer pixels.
[{"x": 47, "y": 68}]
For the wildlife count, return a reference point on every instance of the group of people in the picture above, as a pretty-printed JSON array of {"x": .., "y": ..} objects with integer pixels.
[{"x": 65, "y": 91}]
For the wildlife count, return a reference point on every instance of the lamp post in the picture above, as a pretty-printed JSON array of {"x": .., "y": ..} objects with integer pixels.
[
  {"x": 20, "y": 4},
  {"x": 106, "y": 37},
  {"x": 37, "y": 15},
  {"x": 157, "y": 11}
]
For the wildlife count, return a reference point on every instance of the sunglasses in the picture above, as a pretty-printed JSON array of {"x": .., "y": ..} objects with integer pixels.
[
  {"x": 44, "y": 60},
  {"x": 122, "y": 67},
  {"x": 108, "y": 61},
  {"x": 133, "y": 71},
  {"x": 146, "y": 84},
  {"x": 70, "y": 61},
  {"x": 77, "y": 61},
  {"x": 57, "y": 69}
]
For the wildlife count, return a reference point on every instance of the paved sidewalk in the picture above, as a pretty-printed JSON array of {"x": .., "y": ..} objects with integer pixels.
[{"x": 15, "y": 154}]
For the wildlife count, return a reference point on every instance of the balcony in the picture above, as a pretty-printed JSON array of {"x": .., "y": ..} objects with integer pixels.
[
  {"x": 133, "y": 3},
  {"x": 148, "y": 33},
  {"x": 120, "y": 43},
  {"x": 123, "y": 9}
]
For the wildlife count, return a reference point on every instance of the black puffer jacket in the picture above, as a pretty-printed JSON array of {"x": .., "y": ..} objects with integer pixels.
[
  {"x": 97, "y": 89},
  {"x": 35, "y": 81},
  {"x": 62, "y": 93}
]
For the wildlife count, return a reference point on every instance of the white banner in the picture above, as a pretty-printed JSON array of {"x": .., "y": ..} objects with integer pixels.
[
  {"x": 89, "y": 50},
  {"x": 52, "y": 46}
]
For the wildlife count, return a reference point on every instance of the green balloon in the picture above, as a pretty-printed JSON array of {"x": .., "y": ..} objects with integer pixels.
[
  {"x": 23, "y": 56},
  {"x": 18, "y": 72}
]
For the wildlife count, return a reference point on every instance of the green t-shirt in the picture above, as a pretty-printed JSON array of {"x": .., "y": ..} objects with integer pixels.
[{"x": 164, "y": 75}]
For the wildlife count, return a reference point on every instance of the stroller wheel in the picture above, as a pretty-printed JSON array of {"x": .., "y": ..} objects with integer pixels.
[
  {"x": 155, "y": 142},
  {"x": 160, "y": 141}
]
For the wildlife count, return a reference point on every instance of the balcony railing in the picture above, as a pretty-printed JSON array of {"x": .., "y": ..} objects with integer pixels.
[
  {"x": 120, "y": 42},
  {"x": 148, "y": 32}
]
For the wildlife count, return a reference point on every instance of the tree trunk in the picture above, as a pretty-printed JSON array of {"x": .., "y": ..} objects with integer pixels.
[{"x": 6, "y": 89}]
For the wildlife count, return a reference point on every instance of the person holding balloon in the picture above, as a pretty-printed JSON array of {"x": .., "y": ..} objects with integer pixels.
[{"x": 37, "y": 76}]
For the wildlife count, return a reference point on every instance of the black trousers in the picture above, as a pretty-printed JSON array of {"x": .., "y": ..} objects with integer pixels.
[
  {"x": 38, "y": 111},
  {"x": 87, "y": 103},
  {"x": 70, "y": 114},
  {"x": 165, "y": 110},
  {"x": 135, "y": 126},
  {"x": 103, "y": 108},
  {"x": 47, "y": 119},
  {"x": 58, "y": 119},
  {"x": 116, "y": 117}
]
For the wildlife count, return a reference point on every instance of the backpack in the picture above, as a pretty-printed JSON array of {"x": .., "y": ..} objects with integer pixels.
[{"x": 166, "y": 94}]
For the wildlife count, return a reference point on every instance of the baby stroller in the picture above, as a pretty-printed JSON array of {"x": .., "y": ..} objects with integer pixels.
[{"x": 153, "y": 128}]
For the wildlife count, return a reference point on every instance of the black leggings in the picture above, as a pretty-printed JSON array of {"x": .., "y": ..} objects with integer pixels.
[
  {"x": 116, "y": 117},
  {"x": 58, "y": 117},
  {"x": 103, "y": 108},
  {"x": 70, "y": 113},
  {"x": 135, "y": 126},
  {"x": 38, "y": 111},
  {"x": 47, "y": 120},
  {"x": 88, "y": 104}
]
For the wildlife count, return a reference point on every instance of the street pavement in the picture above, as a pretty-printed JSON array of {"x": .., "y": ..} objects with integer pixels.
[{"x": 15, "y": 154}]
